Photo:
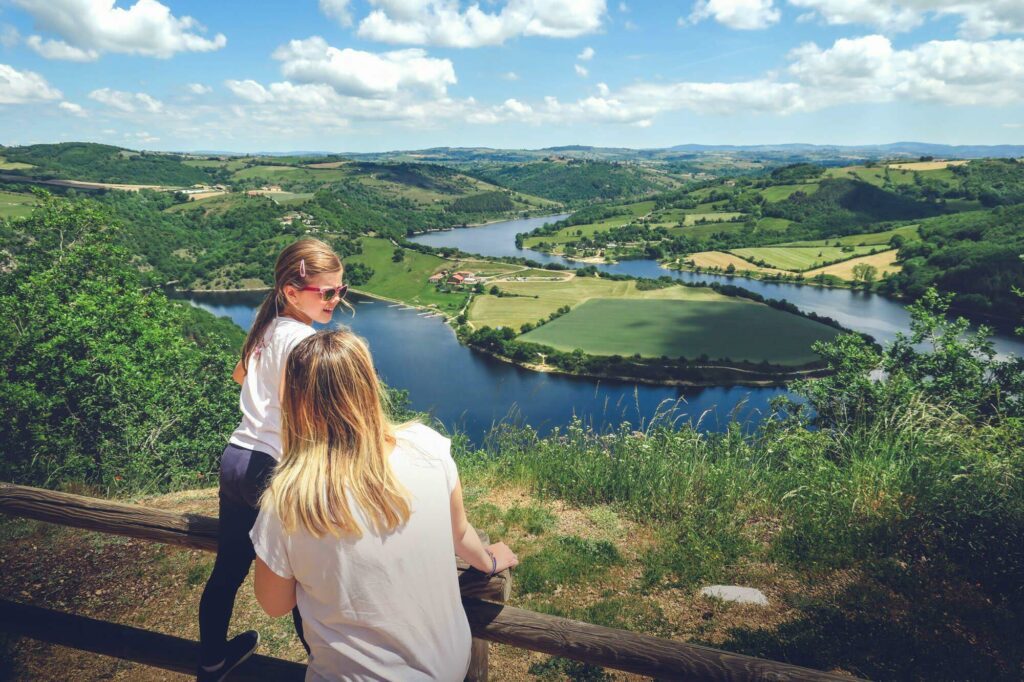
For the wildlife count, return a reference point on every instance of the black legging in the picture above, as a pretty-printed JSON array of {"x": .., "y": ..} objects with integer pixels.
[{"x": 243, "y": 476}]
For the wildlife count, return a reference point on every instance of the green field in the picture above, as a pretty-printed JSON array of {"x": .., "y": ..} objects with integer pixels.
[
  {"x": 534, "y": 301},
  {"x": 16, "y": 205},
  {"x": 571, "y": 234},
  {"x": 780, "y": 192},
  {"x": 908, "y": 232},
  {"x": 800, "y": 258},
  {"x": 13, "y": 165},
  {"x": 405, "y": 281},
  {"x": 736, "y": 330}
]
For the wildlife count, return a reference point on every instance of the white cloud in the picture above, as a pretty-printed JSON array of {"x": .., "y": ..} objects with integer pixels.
[
  {"x": 623, "y": 7},
  {"x": 860, "y": 70},
  {"x": 72, "y": 108},
  {"x": 630, "y": 26},
  {"x": 510, "y": 76},
  {"x": 88, "y": 27},
  {"x": 199, "y": 89},
  {"x": 128, "y": 102},
  {"x": 337, "y": 10},
  {"x": 445, "y": 23},
  {"x": 586, "y": 55},
  {"x": 978, "y": 18},
  {"x": 581, "y": 71},
  {"x": 364, "y": 74},
  {"x": 1013, "y": 125},
  {"x": 23, "y": 87},
  {"x": 141, "y": 136},
  {"x": 58, "y": 49},
  {"x": 738, "y": 14}
]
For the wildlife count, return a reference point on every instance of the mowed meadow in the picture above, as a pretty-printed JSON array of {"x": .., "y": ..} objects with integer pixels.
[{"x": 738, "y": 331}]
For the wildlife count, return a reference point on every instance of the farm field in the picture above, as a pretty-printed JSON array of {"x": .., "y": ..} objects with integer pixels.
[
  {"x": 534, "y": 301},
  {"x": 800, "y": 258},
  {"x": 780, "y": 192},
  {"x": 721, "y": 259},
  {"x": 884, "y": 261},
  {"x": 574, "y": 232},
  {"x": 16, "y": 205},
  {"x": 746, "y": 331},
  {"x": 928, "y": 165},
  {"x": 405, "y": 281},
  {"x": 908, "y": 232}
]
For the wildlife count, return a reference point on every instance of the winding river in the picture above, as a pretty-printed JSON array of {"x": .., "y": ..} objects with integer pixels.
[{"x": 470, "y": 392}]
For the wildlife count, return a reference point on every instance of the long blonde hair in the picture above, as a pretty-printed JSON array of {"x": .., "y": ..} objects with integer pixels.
[
  {"x": 296, "y": 263},
  {"x": 336, "y": 439}
]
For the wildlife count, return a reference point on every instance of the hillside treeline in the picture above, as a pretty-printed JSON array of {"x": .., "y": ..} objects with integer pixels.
[{"x": 103, "y": 163}]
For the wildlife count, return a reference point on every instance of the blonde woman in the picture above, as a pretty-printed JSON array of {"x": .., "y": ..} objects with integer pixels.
[{"x": 360, "y": 526}]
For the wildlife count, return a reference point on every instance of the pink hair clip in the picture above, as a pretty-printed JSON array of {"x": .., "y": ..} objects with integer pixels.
[{"x": 302, "y": 268}]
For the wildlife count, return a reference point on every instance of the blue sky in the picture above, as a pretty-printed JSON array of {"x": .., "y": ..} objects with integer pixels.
[{"x": 371, "y": 75}]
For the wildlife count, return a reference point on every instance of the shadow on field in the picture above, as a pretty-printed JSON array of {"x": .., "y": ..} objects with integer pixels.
[{"x": 898, "y": 625}]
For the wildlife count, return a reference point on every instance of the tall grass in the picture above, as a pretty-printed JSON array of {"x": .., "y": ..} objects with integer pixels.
[{"x": 923, "y": 478}]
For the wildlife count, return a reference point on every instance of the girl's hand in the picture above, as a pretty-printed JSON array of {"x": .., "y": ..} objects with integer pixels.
[{"x": 505, "y": 556}]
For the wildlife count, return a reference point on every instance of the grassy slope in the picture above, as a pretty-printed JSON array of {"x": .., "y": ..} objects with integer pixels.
[
  {"x": 885, "y": 262},
  {"x": 908, "y": 232},
  {"x": 16, "y": 205},
  {"x": 569, "y": 234},
  {"x": 736, "y": 330},
  {"x": 405, "y": 281}
]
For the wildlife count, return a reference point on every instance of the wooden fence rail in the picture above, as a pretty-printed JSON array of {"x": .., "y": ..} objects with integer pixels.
[{"x": 489, "y": 620}]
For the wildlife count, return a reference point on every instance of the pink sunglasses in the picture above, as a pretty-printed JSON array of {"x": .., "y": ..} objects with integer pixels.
[{"x": 328, "y": 293}]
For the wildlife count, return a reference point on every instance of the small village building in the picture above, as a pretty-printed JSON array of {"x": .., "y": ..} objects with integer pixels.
[{"x": 436, "y": 277}]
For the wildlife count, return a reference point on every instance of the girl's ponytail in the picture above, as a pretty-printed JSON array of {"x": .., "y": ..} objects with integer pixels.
[{"x": 297, "y": 262}]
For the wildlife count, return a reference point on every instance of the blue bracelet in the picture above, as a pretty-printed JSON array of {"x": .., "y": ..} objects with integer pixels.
[{"x": 494, "y": 563}]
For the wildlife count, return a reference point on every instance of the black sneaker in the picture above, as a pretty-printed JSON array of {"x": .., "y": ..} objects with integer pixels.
[{"x": 237, "y": 650}]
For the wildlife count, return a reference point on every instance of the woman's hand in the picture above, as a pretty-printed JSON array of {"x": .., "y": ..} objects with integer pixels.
[{"x": 505, "y": 557}]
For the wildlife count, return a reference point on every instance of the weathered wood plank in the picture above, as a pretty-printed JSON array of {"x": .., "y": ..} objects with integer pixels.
[
  {"x": 187, "y": 530},
  {"x": 622, "y": 650},
  {"x": 132, "y": 644}
]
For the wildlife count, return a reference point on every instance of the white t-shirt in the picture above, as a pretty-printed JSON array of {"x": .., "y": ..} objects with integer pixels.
[
  {"x": 260, "y": 399},
  {"x": 382, "y": 607}
]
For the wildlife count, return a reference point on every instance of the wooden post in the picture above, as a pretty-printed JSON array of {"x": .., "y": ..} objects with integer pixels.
[{"x": 479, "y": 657}]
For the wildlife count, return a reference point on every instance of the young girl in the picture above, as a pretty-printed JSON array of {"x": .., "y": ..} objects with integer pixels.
[
  {"x": 307, "y": 287},
  {"x": 360, "y": 526}
]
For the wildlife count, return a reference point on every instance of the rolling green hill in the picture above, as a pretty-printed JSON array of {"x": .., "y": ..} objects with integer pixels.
[{"x": 103, "y": 163}]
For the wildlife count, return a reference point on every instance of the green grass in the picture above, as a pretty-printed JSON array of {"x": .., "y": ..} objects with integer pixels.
[
  {"x": 571, "y": 234},
  {"x": 277, "y": 174},
  {"x": 564, "y": 559},
  {"x": 217, "y": 204},
  {"x": 780, "y": 192},
  {"x": 536, "y": 300},
  {"x": 405, "y": 281},
  {"x": 736, "y": 330},
  {"x": 908, "y": 232},
  {"x": 16, "y": 204},
  {"x": 13, "y": 165},
  {"x": 800, "y": 258}
]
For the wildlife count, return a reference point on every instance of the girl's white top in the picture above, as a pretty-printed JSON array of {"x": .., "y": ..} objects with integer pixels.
[
  {"x": 260, "y": 399},
  {"x": 381, "y": 607}
]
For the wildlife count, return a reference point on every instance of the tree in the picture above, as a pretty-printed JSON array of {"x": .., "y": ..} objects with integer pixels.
[
  {"x": 103, "y": 385},
  {"x": 399, "y": 255},
  {"x": 864, "y": 273}
]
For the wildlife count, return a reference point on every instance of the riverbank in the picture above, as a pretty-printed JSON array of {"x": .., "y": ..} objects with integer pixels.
[{"x": 720, "y": 380}]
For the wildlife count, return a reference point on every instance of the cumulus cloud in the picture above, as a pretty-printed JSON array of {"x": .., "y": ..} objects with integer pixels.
[
  {"x": 72, "y": 108},
  {"x": 510, "y": 76},
  {"x": 738, "y": 14},
  {"x": 586, "y": 55},
  {"x": 364, "y": 74},
  {"x": 58, "y": 49},
  {"x": 337, "y": 10},
  {"x": 87, "y": 28},
  {"x": 978, "y": 18},
  {"x": 581, "y": 71},
  {"x": 860, "y": 70},
  {"x": 24, "y": 87},
  {"x": 199, "y": 88},
  {"x": 445, "y": 23},
  {"x": 128, "y": 102}
]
